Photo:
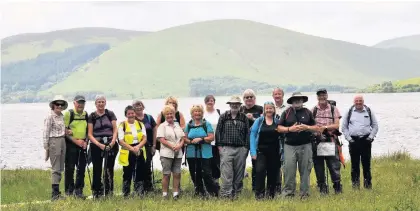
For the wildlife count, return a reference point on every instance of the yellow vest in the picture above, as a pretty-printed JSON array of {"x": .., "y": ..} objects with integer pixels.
[{"x": 129, "y": 138}]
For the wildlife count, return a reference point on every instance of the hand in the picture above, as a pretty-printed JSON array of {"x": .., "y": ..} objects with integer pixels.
[
  {"x": 153, "y": 150},
  {"x": 47, "y": 155},
  {"x": 69, "y": 132},
  {"x": 111, "y": 145},
  {"x": 80, "y": 142},
  {"x": 250, "y": 116},
  {"x": 220, "y": 149},
  {"x": 303, "y": 127},
  {"x": 196, "y": 140},
  {"x": 294, "y": 128},
  {"x": 254, "y": 157},
  {"x": 351, "y": 141},
  {"x": 102, "y": 147},
  {"x": 84, "y": 145},
  {"x": 369, "y": 139},
  {"x": 177, "y": 147},
  {"x": 134, "y": 149}
]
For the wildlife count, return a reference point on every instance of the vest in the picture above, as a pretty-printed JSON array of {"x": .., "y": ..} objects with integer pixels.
[{"x": 129, "y": 138}]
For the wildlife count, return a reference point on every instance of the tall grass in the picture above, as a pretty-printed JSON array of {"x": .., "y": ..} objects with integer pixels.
[{"x": 396, "y": 186}]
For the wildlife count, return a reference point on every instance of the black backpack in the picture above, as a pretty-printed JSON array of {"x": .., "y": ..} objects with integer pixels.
[
  {"x": 95, "y": 117},
  {"x": 71, "y": 111},
  {"x": 351, "y": 111},
  {"x": 332, "y": 104}
]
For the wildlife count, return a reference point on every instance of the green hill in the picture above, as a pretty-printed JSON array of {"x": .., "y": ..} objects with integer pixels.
[
  {"x": 406, "y": 85},
  {"x": 28, "y": 46},
  {"x": 166, "y": 62},
  {"x": 408, "y": 42}
]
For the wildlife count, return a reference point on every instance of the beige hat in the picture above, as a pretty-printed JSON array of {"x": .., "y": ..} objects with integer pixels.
[
  {"x": 234, "y": 99},
  {"x": 59, "y": 98},
  {"x": 297, "y": 95}
]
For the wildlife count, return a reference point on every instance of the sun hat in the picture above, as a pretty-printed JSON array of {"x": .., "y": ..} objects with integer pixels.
[
  {"x": 58, "y": 98},
  {"x": 297, "y": 95}
]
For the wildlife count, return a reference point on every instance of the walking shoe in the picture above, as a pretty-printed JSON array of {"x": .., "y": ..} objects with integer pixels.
[
  {"x": 367, "y": 184},
  {"x": 78, "y": 193},
  {"x": 338, "y": 188}
]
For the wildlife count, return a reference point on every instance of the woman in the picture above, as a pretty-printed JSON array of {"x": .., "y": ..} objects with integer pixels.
[
  {"x": 179, "y": 117},
  {"x": 54, "y": 143},
  {"x": 151, "y": 128},
  {"x": 252, "y": 112},
  {"x": 171, "y": 136},
  {"x": 132, "y": 138},
  {"x": 199, "y": 135},
  {"x": 212, "y": 116},
  {"x": 102, "y": 132},
  {"x": 265, "y": 146}
]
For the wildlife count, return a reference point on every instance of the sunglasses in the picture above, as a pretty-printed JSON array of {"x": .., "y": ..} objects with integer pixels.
[
  {"x": 249, "y": 97},
  {"x": 59, "y": 104}
]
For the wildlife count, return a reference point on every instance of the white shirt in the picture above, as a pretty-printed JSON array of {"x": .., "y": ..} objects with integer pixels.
[
  {"x": 133, "y": 131},
  {"x": 172, "y": 135},
  {"x": 279, "y": 110},
  {"x": 213, "y": 119}
]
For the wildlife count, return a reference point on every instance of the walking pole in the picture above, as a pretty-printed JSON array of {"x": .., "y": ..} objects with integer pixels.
[
  {"x": 195, "y": 167},
  {"x": 106, "y": 161},
  {"x": 87, "y": 166}
]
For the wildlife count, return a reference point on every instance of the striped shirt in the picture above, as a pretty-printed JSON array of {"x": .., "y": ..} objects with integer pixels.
[
  {"x": 53, "y": 127},
  {"x": 232, "y": 132}
]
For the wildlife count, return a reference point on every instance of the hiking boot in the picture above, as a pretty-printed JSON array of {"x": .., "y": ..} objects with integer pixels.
[
  {"x": 367, "y": 184},
  {"x": 323, "y": 189},
  {"x": 78, "y": 193},
  {"x": 126, "y": 188},
  {"x": 355, "y": 185},
  {"x": 139, "y": 188},
  {"x": 338, "y": 188},
  {"x": 55, "y": 193},
  {"x": 304, "y": 196}
]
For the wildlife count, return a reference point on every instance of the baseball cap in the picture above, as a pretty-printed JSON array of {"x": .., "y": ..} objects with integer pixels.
[
  {"x": 319, "y": 91},
  {"x": 79, "y": 98}
]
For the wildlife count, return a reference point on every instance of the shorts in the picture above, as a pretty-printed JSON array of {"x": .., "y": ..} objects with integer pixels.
[{"x": 171, "y": 165}]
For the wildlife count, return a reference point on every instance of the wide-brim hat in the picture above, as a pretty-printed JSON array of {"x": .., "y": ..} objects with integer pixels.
[
  {"x": 297, "y": 95},
  {"x": 234, "y": 100},
  {"x": 59, "y": 98}
]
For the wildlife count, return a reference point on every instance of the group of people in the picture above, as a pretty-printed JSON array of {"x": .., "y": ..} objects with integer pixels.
[{"x": 280, "y": 140}]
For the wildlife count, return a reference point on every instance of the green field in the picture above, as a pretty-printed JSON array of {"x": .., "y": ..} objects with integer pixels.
[{"x": 396, "y": 186}]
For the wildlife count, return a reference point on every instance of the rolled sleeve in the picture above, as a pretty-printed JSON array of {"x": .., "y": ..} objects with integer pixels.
[{"x": 345, "y": 127}]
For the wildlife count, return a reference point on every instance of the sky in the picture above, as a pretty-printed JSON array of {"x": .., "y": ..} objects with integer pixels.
[{"x": 365, "y": 23}]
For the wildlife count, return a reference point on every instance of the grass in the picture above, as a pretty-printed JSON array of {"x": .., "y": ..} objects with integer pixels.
[
  {"x": 408, "y": 81},
  {"x": 396, "y": 186}
]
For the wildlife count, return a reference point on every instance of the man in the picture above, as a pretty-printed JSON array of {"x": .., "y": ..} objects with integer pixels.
[
  {"x": 252, "y": 112},
  {"x": 76, "y": 123},
  {"x": 327, "y": 116},
  {"x": 232, "y": 139},
  {"x": 360, "y": 128},
  {"x": 278, "y": 95},
  {"x": 298, "y": 124}
]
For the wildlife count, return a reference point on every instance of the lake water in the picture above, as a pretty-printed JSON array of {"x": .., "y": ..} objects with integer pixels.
[{"x": 21, "y": 124}]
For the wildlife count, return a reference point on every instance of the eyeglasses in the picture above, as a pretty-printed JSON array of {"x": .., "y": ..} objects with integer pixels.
[
  {"x": 249, "y": 97},
  {"x": 59, "y": 104}
]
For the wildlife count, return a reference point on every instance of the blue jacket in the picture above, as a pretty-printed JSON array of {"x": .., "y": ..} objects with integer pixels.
[{"x": 255, "y": 134}]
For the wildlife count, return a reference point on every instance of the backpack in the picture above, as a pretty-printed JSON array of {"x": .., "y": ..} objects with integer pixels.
[
  {"x": 71, "y": 111},
  {"x": 351, "y": 111},
  {"x": 94, "y": 117},
  {"x": 203, "y": 125},
  {"x": 218, "y": 111}
]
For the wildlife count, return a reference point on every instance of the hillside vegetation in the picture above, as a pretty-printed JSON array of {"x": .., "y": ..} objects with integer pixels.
[
  {"x": 29, "y": 46},
  {"x": 407, "y": 85},
  {"x": 222, "y": 56}
]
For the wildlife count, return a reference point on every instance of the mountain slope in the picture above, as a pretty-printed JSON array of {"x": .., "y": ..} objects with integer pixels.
[
  {"x": 408, "y": 42},
  {"x": 29, "y": 46},
  {"x": 164, "y": 62}
]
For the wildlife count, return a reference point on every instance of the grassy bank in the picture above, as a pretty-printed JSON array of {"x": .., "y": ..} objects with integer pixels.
[{"x": 396, "y": 186}]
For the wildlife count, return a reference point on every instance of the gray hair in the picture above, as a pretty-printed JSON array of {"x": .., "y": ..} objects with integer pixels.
[
  {"x": 248, "y": 92},
  {"x": 100, "y": 97},
  {"x": 136, "y": 102}
]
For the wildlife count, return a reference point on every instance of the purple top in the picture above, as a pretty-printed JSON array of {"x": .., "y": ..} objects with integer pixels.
[{"x": 102, "y": 125}]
